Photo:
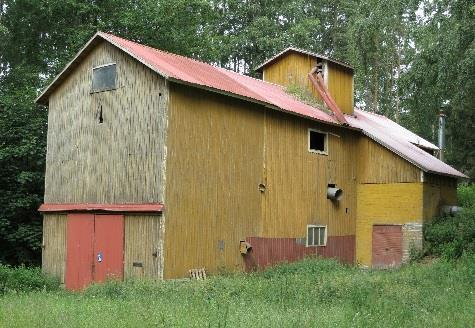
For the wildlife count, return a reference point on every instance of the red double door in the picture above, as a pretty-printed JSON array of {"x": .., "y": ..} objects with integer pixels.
[{"x": 95, "y": 249}]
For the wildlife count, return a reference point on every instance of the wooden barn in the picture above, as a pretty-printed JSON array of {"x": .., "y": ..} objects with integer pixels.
[{"x": 158, "y": 164}]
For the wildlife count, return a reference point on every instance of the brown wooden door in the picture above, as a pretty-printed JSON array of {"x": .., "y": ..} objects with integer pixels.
[{"x": 387, "y": 246}]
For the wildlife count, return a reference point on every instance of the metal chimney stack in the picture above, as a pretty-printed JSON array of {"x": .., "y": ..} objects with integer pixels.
[{"x": 441, "y": 133}]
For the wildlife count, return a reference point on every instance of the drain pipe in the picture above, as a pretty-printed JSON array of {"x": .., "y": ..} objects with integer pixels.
[{"x": 441, "y": 133}]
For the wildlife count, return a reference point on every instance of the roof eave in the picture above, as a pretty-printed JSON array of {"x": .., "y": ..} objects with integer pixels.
[
  {"x": 268, "y": 105},
  {"x": 301, "y": 51},
  {"x": 462, "y": 176},
  {"x": 43, "y": 98}
]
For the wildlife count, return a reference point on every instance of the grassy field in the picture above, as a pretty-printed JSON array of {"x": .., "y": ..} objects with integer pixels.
[{"x": 311, "y": 293}]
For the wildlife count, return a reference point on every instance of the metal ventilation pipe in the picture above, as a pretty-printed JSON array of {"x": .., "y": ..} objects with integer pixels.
[
  {"x": 450, "y": 210},
  {"x": 441, "y": 133},
  {"x": 334, "y": 193}
]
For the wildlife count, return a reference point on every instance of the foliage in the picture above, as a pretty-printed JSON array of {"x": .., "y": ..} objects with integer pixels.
[
  {"x": 452, "y": 236},
  {"x": 310, "y": 293},
  {"x": 23, "y": 279}
]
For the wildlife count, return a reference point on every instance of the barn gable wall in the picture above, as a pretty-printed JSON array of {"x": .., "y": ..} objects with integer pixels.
[{"x": 120, "y": 160}]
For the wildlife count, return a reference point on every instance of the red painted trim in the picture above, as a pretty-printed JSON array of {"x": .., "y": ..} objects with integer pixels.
[{"x": 137, "y": 208}]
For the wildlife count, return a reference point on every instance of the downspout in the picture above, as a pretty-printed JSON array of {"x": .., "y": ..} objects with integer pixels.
[{"x": 319, "y": 84}]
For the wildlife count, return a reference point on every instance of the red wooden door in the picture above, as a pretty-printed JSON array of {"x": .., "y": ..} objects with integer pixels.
[
  {"x": 79, "y": 254},
  {"x": 387, "y": 246},
  {"x": 109, "y": 247},
  {"x": 95, "y": 249}
]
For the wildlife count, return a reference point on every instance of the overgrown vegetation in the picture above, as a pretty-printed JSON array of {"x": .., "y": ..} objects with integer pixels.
[
  {"x": 310, "y": 293},
  {"x": 453, "y": 236},
  {"x": 23, "y": 279}
]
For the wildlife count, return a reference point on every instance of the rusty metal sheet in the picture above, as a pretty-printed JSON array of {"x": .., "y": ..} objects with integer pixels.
[
  {"x": 400, "y": 141},
  {"x": 387, "y": 246},
  {"x": 270, "y": 251},
  {"x": 202, "y": 74}
]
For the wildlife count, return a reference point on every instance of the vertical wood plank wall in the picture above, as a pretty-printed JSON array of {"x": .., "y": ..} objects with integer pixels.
[
  {"x": 220, "y": 149},
  {"x": 297, "y": 179},
  {"x": 376, "y": 164},
  {"x": 340, "y": 85},
  {"x": 143, "y": 246},
  {"x": 438, "y": 191},
  {"x": 214, "y": 167},
  {"x": 293, "y": 68},
  {"x": 120, "y": 160},
  {"x": 54, "y": 245}
]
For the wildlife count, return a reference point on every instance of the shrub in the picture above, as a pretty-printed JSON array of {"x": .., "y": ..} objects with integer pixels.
[
  {"x": 452, "y": 236},
  {"x": 24, "y": 279}
]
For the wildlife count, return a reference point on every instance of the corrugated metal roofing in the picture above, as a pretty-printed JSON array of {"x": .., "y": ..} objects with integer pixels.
[
  {"x": 188, "y": 71},
  {"x": 301, "y": 51},
  {"x": 400, "y": 141}
]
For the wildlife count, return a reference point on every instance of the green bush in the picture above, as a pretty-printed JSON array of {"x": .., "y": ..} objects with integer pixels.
[
  {"x": 452, "y": 236},
  {"x": 24, "y": 279},
  {"x": 466, "y": 195}
]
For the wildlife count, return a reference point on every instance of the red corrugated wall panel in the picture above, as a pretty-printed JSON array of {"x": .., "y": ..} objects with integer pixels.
[{"x": 269, "y": 251}]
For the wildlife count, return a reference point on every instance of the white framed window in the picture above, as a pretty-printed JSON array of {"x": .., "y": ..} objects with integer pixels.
[
  {"x": 104, "y": 77},
  {"x": 316, "y": 235},
  {"x": 317, "y": 142}
]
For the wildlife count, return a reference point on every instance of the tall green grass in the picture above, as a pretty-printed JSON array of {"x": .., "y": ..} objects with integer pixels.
[{"x": 310, "y": 293}]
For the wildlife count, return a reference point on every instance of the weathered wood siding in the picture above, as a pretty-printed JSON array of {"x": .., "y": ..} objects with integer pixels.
[
  {"x": 214, "y": 167},
  {"x": 297, "y": 180},
  {"x": 377, "y": 164},
  {"x": 120, "y": 160},
  {"x": 391, "y": 203},
  {"x": 143, "y": 246},
  {"x": 340, "y": 85},
  {"x": 54, "y": 245},
  {"x": 293, "y": 69},
  {"x": 220, "y": 149}
]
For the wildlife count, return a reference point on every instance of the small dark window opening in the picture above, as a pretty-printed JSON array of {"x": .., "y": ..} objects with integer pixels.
[
  {"x": 104, "y": 78},
  {"x": 101, "y": 119},
  {"x": 317, "y": 141}
]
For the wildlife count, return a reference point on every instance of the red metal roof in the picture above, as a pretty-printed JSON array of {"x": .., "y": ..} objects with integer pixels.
[
  {"x": 183, "y": 69},
  {"x": 191, "y": 72},
  {"x": 401, "y": 141},
  {"x": 129, "y": 208}
]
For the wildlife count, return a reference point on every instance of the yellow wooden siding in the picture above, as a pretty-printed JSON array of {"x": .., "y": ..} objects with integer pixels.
[
  {"x": 377, "y": 164},
  {"x": 214, "y": 167},
  {"x": 120, "y": 160},
  {"x": 54, "y": 245},
  {"x": 297, "y": 179},
  {"x": 394, "y": 203},
  {"x": 143, "y": 245},
  {"x": 291, "y": 69},
  {"x": 340, "y": 86}
]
